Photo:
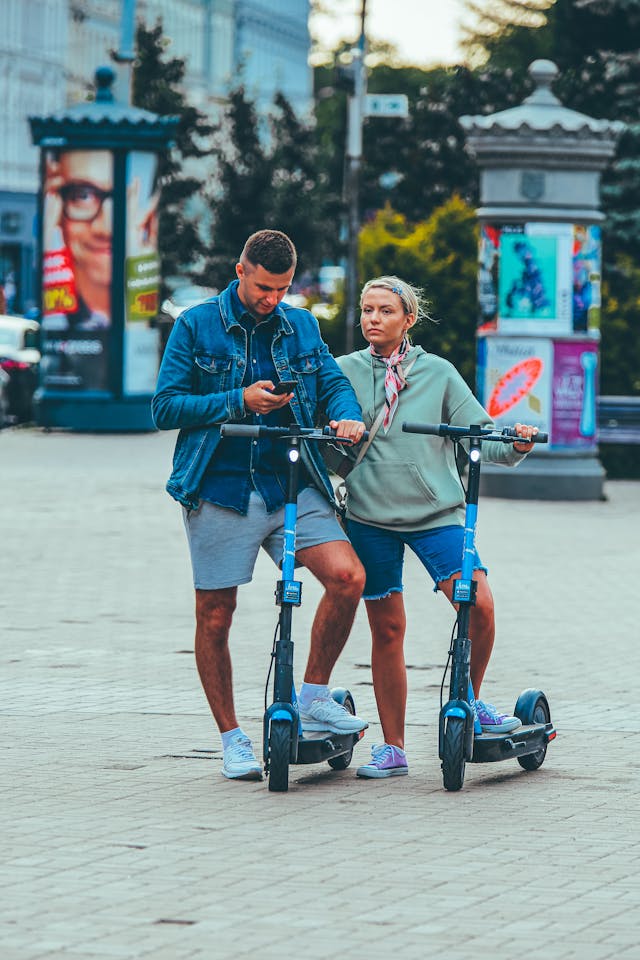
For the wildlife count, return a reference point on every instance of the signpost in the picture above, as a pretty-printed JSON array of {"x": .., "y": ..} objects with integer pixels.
[
  {"x": 361, "y": 104},
  {"x": 386, "y": 105}
]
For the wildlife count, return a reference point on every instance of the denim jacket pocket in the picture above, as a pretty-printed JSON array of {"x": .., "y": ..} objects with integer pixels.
[
  {"x": 213, "y": 374},
  {"x": 305, "y": 368}
]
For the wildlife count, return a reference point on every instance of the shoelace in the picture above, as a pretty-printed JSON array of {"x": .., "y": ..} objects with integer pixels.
[
  {"x": 490, "y": 710},
  {"x": 241, "y": 750},
  {"x": 327, "y": 704},
  {"x": 380, "y": 753}
]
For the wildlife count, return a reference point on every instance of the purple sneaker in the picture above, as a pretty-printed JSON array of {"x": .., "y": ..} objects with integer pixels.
[
  {"x": 492, "y": 721},
  {"x": 386, "y": 761}
]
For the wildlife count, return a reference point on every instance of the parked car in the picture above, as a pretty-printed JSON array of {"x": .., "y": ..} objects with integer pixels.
[
  {"x": 20, "y": 359},
  {"x": 4, "y": 398},
  {"x": 181, "y": 298}
]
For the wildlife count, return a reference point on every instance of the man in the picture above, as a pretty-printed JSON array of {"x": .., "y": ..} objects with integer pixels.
[{"x": 221, "y": 363}]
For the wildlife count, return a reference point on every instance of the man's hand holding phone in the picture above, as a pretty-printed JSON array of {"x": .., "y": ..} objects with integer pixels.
[
  {"x": 284, "y": 386},
  {"x": 263, "y": 396}
]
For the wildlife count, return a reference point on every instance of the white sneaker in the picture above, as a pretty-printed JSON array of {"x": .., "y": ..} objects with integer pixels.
[
  {"x": 240, "y": 762},
  {"x": 325, "y": 713}
]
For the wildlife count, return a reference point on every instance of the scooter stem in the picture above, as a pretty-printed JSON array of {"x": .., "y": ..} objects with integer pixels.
[
  {"x": 289, "y": 590},
  {"x": 464, "y": 589}
]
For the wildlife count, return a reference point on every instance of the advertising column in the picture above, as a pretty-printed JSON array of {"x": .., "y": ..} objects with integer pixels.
[{"x": 539, "y": 296}]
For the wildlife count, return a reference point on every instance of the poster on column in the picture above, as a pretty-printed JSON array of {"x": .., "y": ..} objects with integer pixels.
[
  {"x": 488, "y": 272},
  {"x": 575, "y": 387},
  {"x": 514, "y": 380},
  {"x": 586, "y": 267},
  {"x": 142, "y": 276},
  {"x": 535, "y": 283},
  {"x": 76, "y": 269}
]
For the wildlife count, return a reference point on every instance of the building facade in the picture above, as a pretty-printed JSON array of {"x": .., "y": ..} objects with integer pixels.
[{"x": 50, "y": 49}]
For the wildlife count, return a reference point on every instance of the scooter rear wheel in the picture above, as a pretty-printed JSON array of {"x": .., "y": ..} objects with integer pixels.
[
  {"x": 279, "y": 754},
  {"x": 453, "y": 761},
  {"x": 533, "y": 711},
  {"x": 343, "y": 761}
]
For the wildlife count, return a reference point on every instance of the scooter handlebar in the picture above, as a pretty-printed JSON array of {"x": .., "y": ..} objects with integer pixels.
[
  {"x": 506, "y": 435},
  {"x": 433, "y": 429},
  {"x": 539, "y": 437},
  {"x": 242, "y": 430},
  {"x": 259, "y": 430}
]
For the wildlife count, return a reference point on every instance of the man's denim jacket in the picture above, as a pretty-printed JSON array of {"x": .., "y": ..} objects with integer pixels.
[{"x": 200, "y": 386}]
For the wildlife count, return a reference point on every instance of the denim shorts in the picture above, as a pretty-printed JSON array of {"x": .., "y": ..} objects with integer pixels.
[
  {"x": 381, "y": 553},
  {"x": 224, "y": 544}
]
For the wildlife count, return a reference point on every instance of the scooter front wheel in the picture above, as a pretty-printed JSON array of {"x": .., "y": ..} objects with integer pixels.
[
  {"x": 279, "y": 754},
  {"x": 453, "y": 761}
]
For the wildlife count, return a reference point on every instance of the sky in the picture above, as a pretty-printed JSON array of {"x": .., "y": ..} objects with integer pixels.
[{"x": 425, "y": 32}]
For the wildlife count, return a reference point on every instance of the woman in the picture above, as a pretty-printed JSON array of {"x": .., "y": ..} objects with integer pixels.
[{"x": 406, "y": 490}]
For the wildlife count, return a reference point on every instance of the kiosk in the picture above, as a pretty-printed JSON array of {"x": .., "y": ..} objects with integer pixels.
[
  {"x": 539, "y": 274},
  {"x": 100, "y": 270}
]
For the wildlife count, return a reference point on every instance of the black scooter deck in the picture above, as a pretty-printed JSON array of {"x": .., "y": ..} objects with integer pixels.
[
  {"x": 317, "y": 747},
  {"x": 490, "y": 747}
]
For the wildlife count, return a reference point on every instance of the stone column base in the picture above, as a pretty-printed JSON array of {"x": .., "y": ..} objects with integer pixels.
[{"x": 549, "y": 476}]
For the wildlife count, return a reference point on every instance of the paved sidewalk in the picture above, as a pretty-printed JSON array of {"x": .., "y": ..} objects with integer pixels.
[{"x": 120, "y": 837}]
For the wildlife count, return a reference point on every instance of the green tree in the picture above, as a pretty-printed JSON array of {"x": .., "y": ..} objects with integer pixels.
[
  {"x": 302, "y": 198},
  {"x": 157, "y": 86},
  {"x": 416, "y": 163},
  {"x": 620, "y": 342},
  {"x": 595, "y": 44},
  {"x": 269, "y": 179},
  {"x": 439, "y": 255},
  {"x": 507, "y": 33},
  {"x": 241, "y": 195}
]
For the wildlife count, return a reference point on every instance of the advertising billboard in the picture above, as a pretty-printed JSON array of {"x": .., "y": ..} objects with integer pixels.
[
  {"x": 142, "y": 276},
  {"x": 587, "y": 273},
  {"x": 575, "y": 387},
  {"x": 76, "y": 269},
  {"x": 551, "y": 384},
  {"x": 514, "y": 380},
  {"x": 539, "y": 279}
]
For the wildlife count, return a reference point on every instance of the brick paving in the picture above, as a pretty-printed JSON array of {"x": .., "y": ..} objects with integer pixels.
[{"x": 120, "y": 837}]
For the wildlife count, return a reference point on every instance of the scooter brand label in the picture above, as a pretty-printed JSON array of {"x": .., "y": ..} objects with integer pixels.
[{"x": 461, "y": 590}]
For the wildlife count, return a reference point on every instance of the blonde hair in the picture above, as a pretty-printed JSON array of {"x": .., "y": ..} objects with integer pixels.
[{"x": 413, "y": 299}]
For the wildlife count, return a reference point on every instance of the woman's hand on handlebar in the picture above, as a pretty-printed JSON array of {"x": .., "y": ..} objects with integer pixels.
[
  {"x": 348, "y": 429},
  {"x": 526, "y": 432}
]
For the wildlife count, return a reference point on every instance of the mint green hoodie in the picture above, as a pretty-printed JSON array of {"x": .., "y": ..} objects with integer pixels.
[{"x": 409, "y": 481}]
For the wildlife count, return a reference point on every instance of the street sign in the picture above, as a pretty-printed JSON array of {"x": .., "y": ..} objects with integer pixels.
[{"x": 386, "y": 105}]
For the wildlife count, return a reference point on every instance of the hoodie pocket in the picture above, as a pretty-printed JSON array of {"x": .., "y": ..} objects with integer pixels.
[{"x": 389, "y": 493}]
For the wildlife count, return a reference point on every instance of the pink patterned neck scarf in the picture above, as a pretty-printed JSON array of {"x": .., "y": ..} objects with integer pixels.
[{"x": 394, "y": 380}]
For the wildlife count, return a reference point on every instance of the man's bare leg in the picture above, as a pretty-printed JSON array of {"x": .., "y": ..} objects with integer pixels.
[
  {"x": 214, "y": 613},
  {"x": 338, "y": 569}
]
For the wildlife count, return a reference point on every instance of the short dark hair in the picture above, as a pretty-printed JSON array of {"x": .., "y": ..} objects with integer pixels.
[{"x": 270, "y": 249}]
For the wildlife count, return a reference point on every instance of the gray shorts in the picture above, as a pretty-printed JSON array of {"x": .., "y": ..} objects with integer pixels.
[{"x": 224, "y": 544}]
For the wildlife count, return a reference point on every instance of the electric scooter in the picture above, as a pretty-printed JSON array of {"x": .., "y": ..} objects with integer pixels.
[
  {"x": 284, "y": 741},
  {"x": 461, "y": 739}
]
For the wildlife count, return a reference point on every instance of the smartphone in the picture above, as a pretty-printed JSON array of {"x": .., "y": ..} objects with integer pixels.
[{"x": 285, "y": 386}]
